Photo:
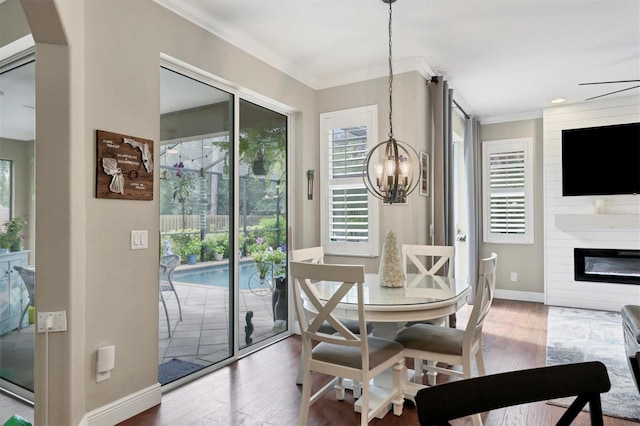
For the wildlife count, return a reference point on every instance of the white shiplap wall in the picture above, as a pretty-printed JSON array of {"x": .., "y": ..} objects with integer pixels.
[{"x": 619, "y": 227}]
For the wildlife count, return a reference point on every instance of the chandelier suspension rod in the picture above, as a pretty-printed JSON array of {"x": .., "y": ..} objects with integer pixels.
[{"x": 390, "y": 76}]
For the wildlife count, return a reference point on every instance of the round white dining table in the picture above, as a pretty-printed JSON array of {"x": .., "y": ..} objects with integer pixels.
[{"x": 422, "y": 297}]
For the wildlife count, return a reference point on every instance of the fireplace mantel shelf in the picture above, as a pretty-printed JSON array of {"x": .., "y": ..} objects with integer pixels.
[{"x": 597, "y": 221}]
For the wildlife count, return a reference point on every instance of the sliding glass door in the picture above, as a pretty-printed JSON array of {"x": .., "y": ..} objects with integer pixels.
[
  {"x": 263, "y": 223},
  {"x": 223, "y": 212},
  {"x": 17, "y": 204}
]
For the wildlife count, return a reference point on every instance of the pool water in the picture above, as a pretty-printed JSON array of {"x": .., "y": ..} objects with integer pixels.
[{"x": 217, "y": 275}]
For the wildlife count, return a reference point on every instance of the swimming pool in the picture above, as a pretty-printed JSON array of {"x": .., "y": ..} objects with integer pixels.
[{"x": 215, "y": 275}]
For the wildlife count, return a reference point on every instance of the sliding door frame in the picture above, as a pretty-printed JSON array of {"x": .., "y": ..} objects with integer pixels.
[{"x": 239, "y": 94}]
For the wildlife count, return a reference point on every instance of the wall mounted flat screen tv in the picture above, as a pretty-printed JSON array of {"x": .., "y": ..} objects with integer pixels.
[{"x": 601, "y": 160}]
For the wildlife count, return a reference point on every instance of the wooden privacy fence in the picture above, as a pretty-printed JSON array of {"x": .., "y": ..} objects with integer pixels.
[{"x": 212, "y": 222}]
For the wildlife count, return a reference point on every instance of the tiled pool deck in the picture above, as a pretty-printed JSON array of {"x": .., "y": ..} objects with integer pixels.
[{"x": 203, "y": 334}]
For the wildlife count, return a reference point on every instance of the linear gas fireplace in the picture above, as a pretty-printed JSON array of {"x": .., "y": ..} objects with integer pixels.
[{"x": 607, "y": 265}]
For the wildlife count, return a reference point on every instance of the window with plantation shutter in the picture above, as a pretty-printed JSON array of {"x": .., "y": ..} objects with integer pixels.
[
  {"x": 507, "y": 191},
  {"x": 349, "y": 213}
]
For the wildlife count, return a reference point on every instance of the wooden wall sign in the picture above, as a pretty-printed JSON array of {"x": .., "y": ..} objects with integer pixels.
[{"x": 124, "y": 167}]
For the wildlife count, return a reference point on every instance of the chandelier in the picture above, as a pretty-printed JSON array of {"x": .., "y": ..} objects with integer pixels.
[{"x": 390, "y": 168}]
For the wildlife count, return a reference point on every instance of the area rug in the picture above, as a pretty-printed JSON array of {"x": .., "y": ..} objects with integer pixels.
[
  {"x": 578, "y": 335},
  {"x": 175, "y": 369}
]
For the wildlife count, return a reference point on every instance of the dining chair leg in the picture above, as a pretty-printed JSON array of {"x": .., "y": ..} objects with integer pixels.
[
  {"x": 300, "y": 375},
  {"x": 399, "y": 373},
  {"x": 357, "y": 389},
  {"x": 305, "y": 398},
  {"x": 431, "y": 375},
  {"x": 339, "y": 388}
]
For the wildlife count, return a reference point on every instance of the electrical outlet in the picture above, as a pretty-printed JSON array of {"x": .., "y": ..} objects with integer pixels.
[
  {"x": 58, "y": 321},
  {"x": 514, "y": 276}
]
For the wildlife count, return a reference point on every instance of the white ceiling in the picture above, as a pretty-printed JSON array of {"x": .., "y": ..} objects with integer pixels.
[
  {"x": 505, "y": 59},
  {"x": 501, "y": 57}
]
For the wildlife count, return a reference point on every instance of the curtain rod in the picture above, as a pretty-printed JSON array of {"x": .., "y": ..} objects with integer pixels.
[
  {"x": 460, "y": 108},
  {"x": 434, "y": 79}
]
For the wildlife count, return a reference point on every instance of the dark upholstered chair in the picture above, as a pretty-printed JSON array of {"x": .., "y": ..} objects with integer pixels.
[
  {"x": 630, "y": 315},
  {"x": 437, "y": 405}
]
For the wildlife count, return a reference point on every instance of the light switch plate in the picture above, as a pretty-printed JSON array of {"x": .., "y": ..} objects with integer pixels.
[{"x": 139, "y": 240}]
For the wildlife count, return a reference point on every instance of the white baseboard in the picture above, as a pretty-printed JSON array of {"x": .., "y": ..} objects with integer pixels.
[
  {"x": 523, "y": 296},
  {"x": 124, "y": 408}
]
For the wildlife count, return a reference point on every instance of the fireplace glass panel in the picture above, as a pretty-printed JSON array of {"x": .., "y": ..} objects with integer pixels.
[{"x": 607, "y": 265}]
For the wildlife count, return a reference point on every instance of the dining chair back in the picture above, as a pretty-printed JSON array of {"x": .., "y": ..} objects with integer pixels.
[
  {"x": 342, "y": 354},
  {"x": 452, "y": 346},
  {"x": 316, "y": 255},
  {"x": 28, "y": 276},
  {"x": 168, "y": 264},
  {"x": 309, "y": 254},
  {"x": 438, "y": 405},
  {"x": 428, "y": 260}
]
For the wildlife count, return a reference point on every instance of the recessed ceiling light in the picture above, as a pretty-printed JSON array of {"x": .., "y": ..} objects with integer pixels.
[{"x": 558, "y": 100}]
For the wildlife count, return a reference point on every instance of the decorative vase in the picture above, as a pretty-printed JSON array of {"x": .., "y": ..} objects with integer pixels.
[
  {"x": 217, "y": 257},
  {"x": 16, "y": 246},
  {"x": 192, "y": 259}
]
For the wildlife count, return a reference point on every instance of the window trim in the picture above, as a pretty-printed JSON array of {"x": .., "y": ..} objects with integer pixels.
[
  {"x": 525, "y": 145},
  {"x": 368, "y": 116}
]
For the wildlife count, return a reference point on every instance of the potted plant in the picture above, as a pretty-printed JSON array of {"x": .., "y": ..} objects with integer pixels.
[
  {"x": 191, "y": 249},
  {"x": 276, "y": 258},
  {"x": 260, "y": 254},
  {"x": 10, "y": 236},
  {"x": 218, "y": 252}
]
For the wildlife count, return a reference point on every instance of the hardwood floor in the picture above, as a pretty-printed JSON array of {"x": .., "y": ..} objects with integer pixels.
[{"x": 260, "y": 389}]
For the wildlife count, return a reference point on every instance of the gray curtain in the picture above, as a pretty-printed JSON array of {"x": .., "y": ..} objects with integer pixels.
[
  {"x": 442, "y": 152},
  {"x": 472, "y": 162}
]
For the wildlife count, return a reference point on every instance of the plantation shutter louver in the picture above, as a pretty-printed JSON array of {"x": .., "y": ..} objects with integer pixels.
[
  {"x": 508, "y": 191},
  {"x": 349, "y": 215},
  {"x": 348, "y": 203}
]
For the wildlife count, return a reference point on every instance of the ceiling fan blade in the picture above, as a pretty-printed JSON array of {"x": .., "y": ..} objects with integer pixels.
[
  {"x": 609, "y": 82},
  {"x": 611, "y": 93}
]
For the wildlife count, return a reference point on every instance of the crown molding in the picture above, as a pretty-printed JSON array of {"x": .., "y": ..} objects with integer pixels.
[
  {"x": 197, "y": 17},
  {"x": 527, "y": 115}
]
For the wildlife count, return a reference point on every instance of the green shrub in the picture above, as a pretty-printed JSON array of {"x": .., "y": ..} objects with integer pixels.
[
  {"x": 184, "y": 242},
  {"x": 216, "y": 243}
]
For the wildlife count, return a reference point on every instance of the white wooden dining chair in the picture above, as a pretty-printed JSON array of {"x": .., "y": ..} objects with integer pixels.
[
  {"x": 427, "y": 260},
  {"x": 316, "y": 255},
  {"x": 454, "y": 346},
  {"x": 309, "y": 254},
  {"x": 342, "y": 354}
]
